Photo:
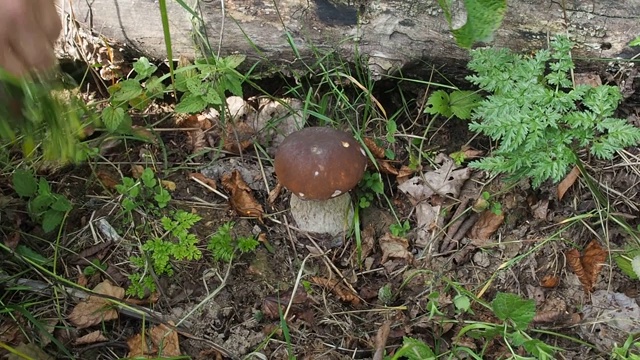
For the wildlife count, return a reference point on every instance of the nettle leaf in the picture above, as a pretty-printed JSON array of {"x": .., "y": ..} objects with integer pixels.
[
  {"x": 24, "y": 183},
  {"x": 127, "y": 90},
  {"x": 512, "y": 307},
  {"x": 483, "y": 17},
  {"x": 155, "y": 88},
  {"x": 143, "y": 68},
  {"x": 112, "y": 117},
  {"x": 51, "y": 220},
  {"x": 61, "y": 204},
  {"x": 233, "y": 83},
  {"x": 233, "y": 61},
  {"x": 212, "y": 97},
  {"x": 190, "y": 104}
]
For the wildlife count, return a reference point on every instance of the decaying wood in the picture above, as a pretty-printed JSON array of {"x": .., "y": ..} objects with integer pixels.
[{"x": 391, "y": 33}]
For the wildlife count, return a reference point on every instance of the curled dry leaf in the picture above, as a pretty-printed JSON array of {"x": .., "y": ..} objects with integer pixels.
[
  {"x": 567, "y": 182},
  {"x": 274, "y": 305},
  {"x": 394, "y": 247},
  {"x": 468, "y": 153},
  {"x": 169, "y": 185},
  {"x": 587, "y": 267},
  {"x": 274, "y": 194},
  {"x": 375, "y": 149},
  {"x": 136, "y": 171},
  {"x": 196, "y": 126},
  {"x": 242, "y": 200},
  {"x": 445, "y": 181},
  {"x": 96, "y": 309},
  {"x": 487, "y": 224},
  {"x": 107, "y": 180},
  {"x": 339, "y": 289},
  {"x": 549, "y": 281},
  {"x": 386, "y": 167}
]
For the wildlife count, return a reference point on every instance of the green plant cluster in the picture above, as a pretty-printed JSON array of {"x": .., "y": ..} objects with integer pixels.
[
  {"x": 539, "y": 118},
  {"x": 147, "y": 193},
  {"x": 177, "y": 244},
  {"x": 45, "y": 207},
  {"x": 223, "y": 245}
]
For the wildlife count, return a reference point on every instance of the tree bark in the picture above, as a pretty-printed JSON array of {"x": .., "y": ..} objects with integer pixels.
[{"x": 392, "y": 34}]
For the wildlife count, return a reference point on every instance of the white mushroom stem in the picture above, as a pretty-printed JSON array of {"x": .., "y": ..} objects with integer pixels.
[{"x": 333, "y": 216}]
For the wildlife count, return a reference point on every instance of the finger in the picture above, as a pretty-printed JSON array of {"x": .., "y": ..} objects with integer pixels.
[
  {"x": 49, "y": 20},
  {"x": 11, "y": 63}
]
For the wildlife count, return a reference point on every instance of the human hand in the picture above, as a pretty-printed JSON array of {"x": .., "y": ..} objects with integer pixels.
[{"x": 28, "y": 30}]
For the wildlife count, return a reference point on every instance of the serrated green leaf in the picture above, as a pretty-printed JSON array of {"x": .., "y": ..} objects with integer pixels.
[
  {"x": 190, "y": 104},
  {"x": 483, "y": 18},
  {"x": 635, "y": 42},
  {"x": 212, "y": 97},
  {"x": 462, "y": 103},
  {"x": 30, "y": 254},
  {"x": 197, "y": 86},
  {"x": 41, "y": 203},
  {"x": 233, "y": 61},
  {"x": 462, "y": 302},
  {"x": 143, "y": 68},
  {"x": 61, "y": 204},
  {"x": 51, "y": 220},
  {"x": 414, "y": 349},
  {"x": 24, "y": 183},
  {"x": 511, "y": 307},
  {"x": 112, "y": 117},
  {"x": 128, "y": 89},
  {"x": 155, "y": 88},
  {"x": 233, "y": 84},
  {"x": 438, "y": 104}
]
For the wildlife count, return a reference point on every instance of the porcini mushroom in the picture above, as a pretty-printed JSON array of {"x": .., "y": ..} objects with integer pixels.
[{"x": 320, "y": 165}]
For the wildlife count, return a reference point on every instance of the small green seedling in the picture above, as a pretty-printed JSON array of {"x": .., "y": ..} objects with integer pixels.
[
  {"x": 486, "y": 202},
  {"x": 458, "y": 103},
  {"x": 370, "y": 186},
  {"x": 223, "y": 245},
  {"x": 146, "y": 193},
  {"x": 95, "y": 267},
  {"x": 400, "y": 229},
  {"x": 45, "y": 207}
]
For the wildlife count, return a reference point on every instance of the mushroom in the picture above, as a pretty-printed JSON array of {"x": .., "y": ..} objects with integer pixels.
[{"x": 320, "y": 166}]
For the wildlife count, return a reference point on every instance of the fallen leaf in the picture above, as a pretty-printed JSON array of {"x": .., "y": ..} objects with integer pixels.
[
  {"x": 274, "y": 194},
  {"x": 195, "y": 128},
  {"x": 274, "y": 305},
  {"x": 386, "y": 167},
  {"x": 567, "y": 182},
  {"x": 381, "y": 340},
  {"x": 237, "y": 137},
  {"x": 11, "y": 329},
  {"x": 96, "y": 309},
  {"x": 487, "y": 224},
  {"x": 169, "y": 185},
  {"x": 445, "y": 181},
  {"x": 375, "y": 149},
  {"x": 242, "y": 200},
  {"x": 394, "y": 247},
  {"x": 203, "y": 179},
  {"x": 138, "y": 347},
  {"x": 29, "y": 351},
  {"x": 587, "y": 267},
  {"x": 144, "y": 134},
  {"x": 404, "y": 173},
  {"x": 591, "y": 79},
  {"x": 91, "y": 338},
  {"x": 165, "y": 341},
  {"x": 338, "y": 288},
  {"x": 540, "y": 209},
  {"x": 549, "y": 281},
  {"x": 136, "y": 171},
  {"x": 429, "y": 220},
  {"x": 107, "y": 180},
  {"x": 368, "y": 240}
]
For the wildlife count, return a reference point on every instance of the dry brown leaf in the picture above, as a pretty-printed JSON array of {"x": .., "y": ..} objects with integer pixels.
[
  {"x": 238, "y": 137},
  {"x": 567, "y": 182},
  {"x": 91, "y": 338},
  {"x": 197, "y": 126},
  {"x": 394, "y": 247},
  {"x": 169, "y": 185},
  {"x": 107, "y": 180},
  {"x": 96, "y": 309},
  {"x": 242, "y": 200},
  {"x": 144, "y": 134},
  {"x": 206, "y": 180},
  {"x": 549, "y": 281},
  {"x": 377, "y": 151},
  {"x": 468, "y": 153},
  {"x": 31, "y": 351},
  {"x": 138, "y": 347},
  {"x": 11, "y": 330},
  {"x": 136, "y": 171},
  {"x": 587, "y": 267},
  {"x": 487, "y": 224},
  {"x": 165, "y": 340},
  {"x": 338, "y": 288},
  {"x": 368, "y": 240},
  {"x": 274, "y": 193},
  {"x": 591, "y": 79},
  {"x": 404, "y": 173},
  {"x": 274, "y": 305},
  {"x": 386, "y": 167},
  {"x": 445, "y": 181}
]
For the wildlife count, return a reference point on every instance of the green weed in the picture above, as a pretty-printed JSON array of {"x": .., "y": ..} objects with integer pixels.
[
  {"x": 146, "y": 193},
  {"x": 223, "y": 245},
  {"x": 45, "y": 207}
]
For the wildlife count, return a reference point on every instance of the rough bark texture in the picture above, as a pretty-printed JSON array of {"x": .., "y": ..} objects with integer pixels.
[{"x": 392, "y": 33}]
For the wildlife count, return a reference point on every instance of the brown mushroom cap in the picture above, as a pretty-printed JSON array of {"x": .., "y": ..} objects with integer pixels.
[{"x": 319, "y": 163}]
